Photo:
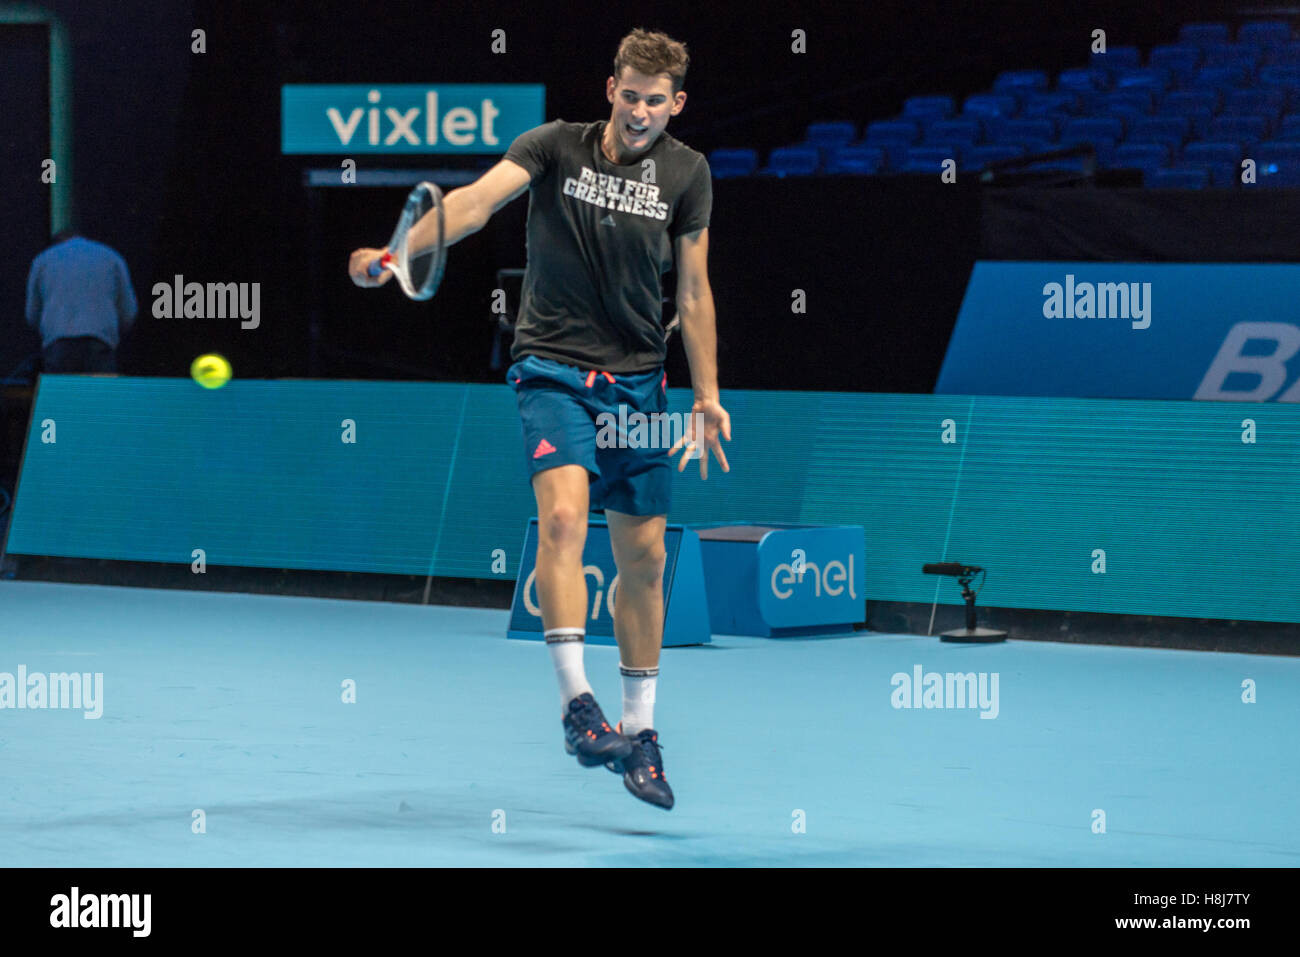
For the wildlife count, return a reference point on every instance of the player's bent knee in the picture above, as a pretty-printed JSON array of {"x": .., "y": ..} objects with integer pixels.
[{"x": 562, "y": 527}]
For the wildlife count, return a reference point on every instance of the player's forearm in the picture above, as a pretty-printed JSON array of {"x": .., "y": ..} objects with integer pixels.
[
  {"x": 700, "y": 337},
  {"x": 462, "y": 217}
]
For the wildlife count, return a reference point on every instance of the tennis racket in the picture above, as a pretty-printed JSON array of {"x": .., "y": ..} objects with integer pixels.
[{"x": 418, "y": 274}]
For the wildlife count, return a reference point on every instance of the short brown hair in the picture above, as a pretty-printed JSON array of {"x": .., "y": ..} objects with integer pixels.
[{"x": 652, "y": 54}]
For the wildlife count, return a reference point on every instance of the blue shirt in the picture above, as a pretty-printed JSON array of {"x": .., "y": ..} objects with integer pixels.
[{"x": 80, "y": 288}]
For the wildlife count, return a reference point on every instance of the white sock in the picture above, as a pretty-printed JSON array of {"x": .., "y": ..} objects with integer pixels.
[
  {"x": 565, "y": 646},
  {"x": 638, "y": 698}
]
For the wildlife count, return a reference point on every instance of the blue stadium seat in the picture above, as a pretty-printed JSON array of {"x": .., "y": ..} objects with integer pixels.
[
  {"x": 991, "y": 105},
  {"x": 724, "y": 163},
  {"x": 1240, "y": 129},
  {"x": 1058, "y": 121},
  {"x": 930, "y": 159},
  {"x": 1277, "y": 164},
  {"x": 830, "y": 134},
  {"x": 1116, "y": 58},
  {"x": 1144, "y": 101},
  {"x": 1126, "y": 114},
  {"x": 858, "y": 160},
  {"x": 1094, "y": 127},
  {"x": 977, "y": 157},
  {"x": 1200, "y": 34},
  {"x": 1213, "y": 151},
  {"x": 896, "y": 132},
  {"x": 1284, "y": 79},
  {"x": 1022, "y": 80},
  {"x": 1289, "y": 128},
  {"x": 1286, "y": 54},
  {"x": 1198, "y": 106},
  {"x": 939, "y": 107},
  {"x": 1037, "y": 104},
  {"x": 924, "y": 120},
  {"x": 1171, "y": 130},
  {"x": 1220, "y": 77},
  {"x": 893, "y": 136},
  {"x": 1200, "y": 124},
  {"x": 1221, "y": 177},
  {"x": 792, "y": 161},
  {"x": 1264, "y": 33},
  {"x": 1280, "y": 75},
  {"x": 1083, "y": 81},
  {"x": 1177, "y": 177},
  {"x": 823, "y": 152},
  {"x": 1180, "y": 59},
  {"x": 1029, "y": 145},
  {"x": 1154, "y": 78},
  {"x": 1028, "y": 128},
  {"x": 1256, "y": 101},
  {"x": 1223, "y": 160},
  {"x": 1190, "y": 102},
  {"x": 1142, "y": 156},
  {"x": 895, "y": 153},
  {"x": 963, "y": 131},
  {"x": 1231, "y": 54}
]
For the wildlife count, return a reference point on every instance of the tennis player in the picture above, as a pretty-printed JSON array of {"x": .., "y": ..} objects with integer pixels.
[{"x": 610, "y": 202}]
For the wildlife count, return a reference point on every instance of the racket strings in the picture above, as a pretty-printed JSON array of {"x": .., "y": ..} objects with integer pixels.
[
  {"x": 419, "y": 273},
  {"x": 422, "y": 268}
]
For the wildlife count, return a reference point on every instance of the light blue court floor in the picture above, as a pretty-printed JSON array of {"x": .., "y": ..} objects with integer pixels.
[{"x": 780, "y": 752}]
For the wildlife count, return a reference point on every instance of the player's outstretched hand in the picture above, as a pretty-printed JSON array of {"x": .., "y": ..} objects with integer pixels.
[
  {"x": 359, "y": 264},
  {"x": 715, "y": 422}
]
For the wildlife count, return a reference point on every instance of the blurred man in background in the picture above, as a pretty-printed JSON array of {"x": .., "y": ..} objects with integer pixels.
[{"x": 80, "y": 300}]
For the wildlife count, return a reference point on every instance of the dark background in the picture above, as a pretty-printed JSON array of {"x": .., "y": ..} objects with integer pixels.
[{"x": 175, "y": 162}]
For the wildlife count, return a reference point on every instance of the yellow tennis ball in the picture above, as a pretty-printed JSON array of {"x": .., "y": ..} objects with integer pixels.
[{"x": 211, "y": 371}]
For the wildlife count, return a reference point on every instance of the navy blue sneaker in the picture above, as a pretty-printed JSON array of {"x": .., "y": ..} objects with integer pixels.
[
  {"x": 643, "y": 769},
  {"x": 589, "y": 736}
]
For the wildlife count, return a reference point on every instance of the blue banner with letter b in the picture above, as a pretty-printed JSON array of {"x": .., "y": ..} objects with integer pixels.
[{"x": 1217, "y": 332}]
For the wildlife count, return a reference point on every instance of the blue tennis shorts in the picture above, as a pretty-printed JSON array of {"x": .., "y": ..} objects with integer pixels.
[{"x": 559, "y": 407}]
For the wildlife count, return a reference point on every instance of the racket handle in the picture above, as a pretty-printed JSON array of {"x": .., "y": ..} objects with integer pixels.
[{"x": 377, "y": 267}]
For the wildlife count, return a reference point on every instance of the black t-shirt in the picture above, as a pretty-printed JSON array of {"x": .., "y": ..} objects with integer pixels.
[{"x": 600, "y": 237}]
